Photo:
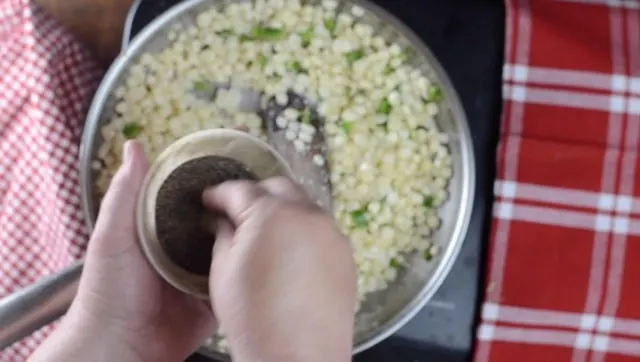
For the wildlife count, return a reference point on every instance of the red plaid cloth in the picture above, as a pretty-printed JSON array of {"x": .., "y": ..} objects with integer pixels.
[
  {"x": 564, "y": 263},
  {"x": 46, "y": 81}
]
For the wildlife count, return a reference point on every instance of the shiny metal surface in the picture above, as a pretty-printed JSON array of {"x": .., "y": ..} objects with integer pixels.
[
  {"x": 385, "y": 312},
  {"x": 128, "y": 24},
  {"x": 39, "y": 304}
]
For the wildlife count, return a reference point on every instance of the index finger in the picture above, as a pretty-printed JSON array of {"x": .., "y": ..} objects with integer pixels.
[{"x": 233, "y": 198}]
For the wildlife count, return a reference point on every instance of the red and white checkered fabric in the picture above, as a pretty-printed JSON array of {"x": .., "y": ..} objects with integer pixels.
[
  {"x": 46, "y": 82},
  {"x": 564, "y": 262}
]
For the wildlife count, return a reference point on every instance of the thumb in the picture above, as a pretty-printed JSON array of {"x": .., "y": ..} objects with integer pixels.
[{"x": 116, "y": 226}]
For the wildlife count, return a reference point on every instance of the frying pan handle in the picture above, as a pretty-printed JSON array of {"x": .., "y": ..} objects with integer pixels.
[
  {"x": 128, "y": 25},
  {"x": 39, "y": 304}
]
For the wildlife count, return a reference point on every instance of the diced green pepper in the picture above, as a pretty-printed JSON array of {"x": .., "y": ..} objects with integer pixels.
[
  {"x": 295, "y": 67},
  {"x": 428, "y": 255},
  {"x": 201, "y": 86},
  {"x": 330, "y": 25},
  {"x": 384, "y": 107},
  {"x": 428, "y": 201},
  {"x": 306, "y": 116},
  {"x": 262, "y": 60},
  {"x": 434, "y": 94},
  {"x": 396, "y": 264},
  {"x": 354, "y": 55},
  {"x": 360, "y": 217},
  {"x": 406, "y": 54},
  {"x": 389, "y": 69},
  {"x": 265, "y": 33},
  {"x": 347, "y": 126},
  {"x": 306, "y": 37},
  {"x": 131, "y": 130}
]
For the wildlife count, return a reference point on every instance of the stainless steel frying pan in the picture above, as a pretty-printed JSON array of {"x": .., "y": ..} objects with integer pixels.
[{"x": 383, "y": 313}]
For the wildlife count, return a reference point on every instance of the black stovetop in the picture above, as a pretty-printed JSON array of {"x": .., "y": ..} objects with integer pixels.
[{"x": 467, "y": 37}]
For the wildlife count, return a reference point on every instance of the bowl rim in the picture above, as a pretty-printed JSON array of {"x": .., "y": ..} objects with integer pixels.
[{"x": 451, "y": 96}]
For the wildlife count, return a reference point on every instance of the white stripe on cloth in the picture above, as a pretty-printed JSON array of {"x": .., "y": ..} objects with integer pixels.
[
  {"x": 616, "y": 103},
  {"x": 633, "y": 35},
  {"x": 620, "y": 224},
  {"x": 627, "y": 177},
  {"x": 494, "y": 313},
  {"x": 553, "y": 337},
  {"x": 564, "y": 197},
  {"x": 614, "y": 83}
]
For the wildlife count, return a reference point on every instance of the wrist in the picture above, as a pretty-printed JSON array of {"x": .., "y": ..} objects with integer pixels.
[{"x": 78, "y": 338}]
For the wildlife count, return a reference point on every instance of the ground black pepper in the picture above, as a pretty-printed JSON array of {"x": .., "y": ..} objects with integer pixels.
[{"x": 183, "y": 226}]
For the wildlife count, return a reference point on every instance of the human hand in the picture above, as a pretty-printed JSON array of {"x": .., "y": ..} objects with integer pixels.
[
  {"x": 283, "y": 279},
  {"x": 123, "y": 307}
]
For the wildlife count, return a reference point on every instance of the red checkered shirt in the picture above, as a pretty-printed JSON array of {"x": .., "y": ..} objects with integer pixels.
[
  {"x": 46, "y": 82},
  {"x": 563, "y": 282}
]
